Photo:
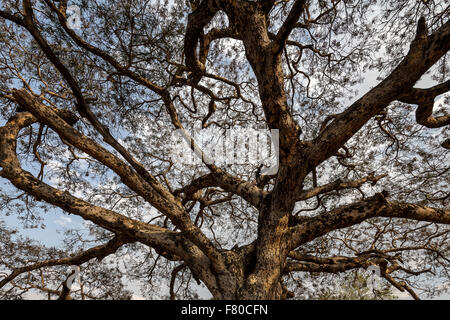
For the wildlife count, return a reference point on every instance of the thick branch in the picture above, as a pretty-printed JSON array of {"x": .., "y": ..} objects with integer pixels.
[
  {"x": 47, "y": 116},
  {"x": 98, "y": 252},
  {"x": 387, "y": 264},
  {"x": 308, "y": 263},
  {"x": 247, "y": 190},
  {"x": 197, "y": 20},
  {"x": 424, "y": 52},
  {"x": 338, "y": 185},
  {"x": 346, "y": 216},
  {"x": 212, "y": 35},
  {"x": 171, "y": 244},
  {"x": 424, "y": 98},
  {"x": 287, "y": 27},
  {"x": 82, "y": 105},
  {"x": 12, "y": 17}
]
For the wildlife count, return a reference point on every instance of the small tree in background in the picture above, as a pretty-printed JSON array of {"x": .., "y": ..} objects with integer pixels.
[{"x": 359, "y": 286}]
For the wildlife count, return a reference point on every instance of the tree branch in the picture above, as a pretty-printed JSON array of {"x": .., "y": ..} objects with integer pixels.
[
  {"x": 287, "y": 27},
  {"x": 247, "y": 190},
  {"x": 98, "y": 252},
  {"x": 82, "y": 105},
  {"x": 338, "y": 185},
  {"x": 424, "y": 98},
  {"x": 172, "y": 245},
  {"x": 307, "y": 263},
  {"x": 197, "y": 20},
  {"x": 172, "y": 279},
  {"x": 424, "y": 52},
  {"x": 346, "y": 216},
  {"x": 12, "y": 17}
]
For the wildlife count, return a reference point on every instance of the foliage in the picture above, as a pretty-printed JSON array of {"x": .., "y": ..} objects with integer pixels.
[{"x": 357, "y": 286}]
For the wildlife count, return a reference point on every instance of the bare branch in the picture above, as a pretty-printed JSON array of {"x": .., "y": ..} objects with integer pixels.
[
  {"x": 338, "y": 185},
  {"x": 423, "y": 53},
  {"x": 162, "y": 240},
  {"x": 197, "y": 20},
  {"x": 424, "y": 98},
  {"x": 287, "y": 27},
  {"x": 173, "y": 277},
  {"x": 376, "y": 206},
  {"x": 248, "y": 190},
  {"x": 98, "y": 252}
]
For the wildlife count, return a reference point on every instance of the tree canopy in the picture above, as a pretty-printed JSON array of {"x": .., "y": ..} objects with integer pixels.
[{"x": 91, "y": 93}]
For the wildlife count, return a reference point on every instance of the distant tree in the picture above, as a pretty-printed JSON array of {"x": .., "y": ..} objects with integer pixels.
[
  {"x": 96, "y": 280},
  {"x": 357, "y": 286},
  {"x": 91, "y": 92}
]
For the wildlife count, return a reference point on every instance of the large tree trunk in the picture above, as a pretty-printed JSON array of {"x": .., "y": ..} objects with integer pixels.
[
  {"x": 260, "y": 275},
  {"x": 271, "y": 247}
]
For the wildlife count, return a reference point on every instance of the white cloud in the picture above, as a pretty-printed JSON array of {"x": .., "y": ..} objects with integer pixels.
[{"x": 62, "y": 221}]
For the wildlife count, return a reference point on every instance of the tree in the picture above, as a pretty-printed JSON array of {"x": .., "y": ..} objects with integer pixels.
[
  {"x": 357, "y": 286},
  {"x": 91, "y": 90}
]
